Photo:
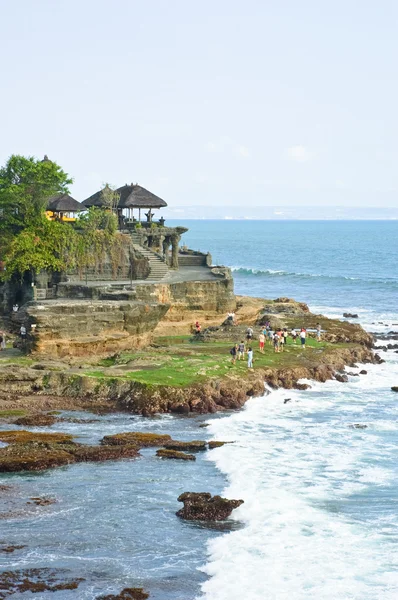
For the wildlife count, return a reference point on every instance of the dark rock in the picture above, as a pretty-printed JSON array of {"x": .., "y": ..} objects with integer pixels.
[
  {"x": 204, "y": 507},
  {"x": 216, "y": 444},
  {"x": 350, "y": 315},
  {"x": 180, "y": 409},
  {"x": 395, "y": 388},
  {"x": 204, "y": 425},
  {"x": 363, "y": 372},
  {"x": 127, "y": 594},
  {"x": 358, "y": 426},
  {"x": 139, "y": 439},
  {"x": 286, "y": 400},
  {"x": 164, "y": 453},
  {"x": 36, "y": 581},
  {"x": 39, "y": 420},
  {"x": 193, "y": 445},
  {"x": 341, "y": 377},
  {"x": 43, "y": 501},
  {"x": 10, "y": 549},
  {"x": 302, "y": 386},
  {"x": 353, "y": 374}
]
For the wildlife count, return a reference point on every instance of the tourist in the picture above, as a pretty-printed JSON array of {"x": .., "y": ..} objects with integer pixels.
[
  {"x": 197, "y": 327},
  {"x": 276, "y": 341},
  {"x": 303, "y": 335},
  {"x": 294, "y": 335},
  {"x": 250, "y": 358},
  {"x": 318, "y": 331},
  {"x": 234, "y": 352},
  {"x": 270, "y": 335},
  {"x": 231, "y": 318},
  {"x": 15, "y": 308},
  {"x": 241, "y": 350},
  {"x": 261, "y": 339},
  {"x": 249, "y": 334},
  {"x": 281, "y": 340},
  {"x": 22, "y": 333},
  {"x": 285, "y": 335},
  {"x": 2, "y": 337}
]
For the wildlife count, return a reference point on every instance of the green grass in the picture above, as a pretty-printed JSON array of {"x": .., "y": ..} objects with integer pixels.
[
  {"x": 17, "y": 360},
  {"x": 4, "y": 414},
  {"x": 180, "y": 363}
]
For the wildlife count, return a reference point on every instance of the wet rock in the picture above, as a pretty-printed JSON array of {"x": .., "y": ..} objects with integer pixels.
[
  {"x": 42, "y": 501},
  {"x": 394, "y": 388},
  {"x": 341, "y": 377},
  {"x": 193, "y": 445},
  {"x": 302, "y": 386},
  {"x": 10, "y": 549},
  {"x": 205, "y": 507},
  {"x": 139, "y": 439},
  {"x": 350, "y": 315},
  {"x": 204, "y": 424},
  {"x": 36, "y": 581},
  {"x": 164, "y": 453},
  {"x": 216, "y": 444},
  {"x": 363, "y": 372},
  {"x": 127, "y": 594},
  {"x": 37, "y": 452},
  {"x": 101, "y": 453},
  {"x": 39, "y": 420},
  {"x": 286, "y": 400},
  {"x": 358, "y": 426},
  {"x": 353, "y": 374}
]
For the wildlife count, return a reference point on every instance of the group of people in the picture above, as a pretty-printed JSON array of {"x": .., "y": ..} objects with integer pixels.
[{"x": 277, "y": 338}]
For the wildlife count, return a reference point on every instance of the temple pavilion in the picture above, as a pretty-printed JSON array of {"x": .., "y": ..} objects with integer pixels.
[{"x": 63, "y": 207}]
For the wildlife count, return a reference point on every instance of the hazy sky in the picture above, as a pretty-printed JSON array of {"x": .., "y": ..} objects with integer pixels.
[{"x": 289, "y": 102}]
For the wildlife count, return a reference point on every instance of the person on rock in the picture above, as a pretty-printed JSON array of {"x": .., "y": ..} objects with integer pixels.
[{"x": 197, "y": 328}]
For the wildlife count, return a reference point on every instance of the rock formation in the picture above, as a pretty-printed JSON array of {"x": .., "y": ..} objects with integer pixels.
[{"x": 205, "y": 507}]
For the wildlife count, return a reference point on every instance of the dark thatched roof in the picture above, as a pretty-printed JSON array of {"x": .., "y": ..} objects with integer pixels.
[
  {"x": 135, "y": 196},
  {"x": 131, "y": 196},
  {"x": 64, "y": 203},
  {"x": 94, "y": 200}
]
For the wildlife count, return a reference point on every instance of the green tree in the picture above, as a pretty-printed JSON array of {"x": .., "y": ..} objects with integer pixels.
[{"x": 25, "y": 186}]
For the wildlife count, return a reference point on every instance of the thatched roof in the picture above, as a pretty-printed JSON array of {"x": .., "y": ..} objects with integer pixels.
[
  {"x": 135, "y": 196},
  {"x": 64, "y": 203},
  {"x": 131, "y": 196}
]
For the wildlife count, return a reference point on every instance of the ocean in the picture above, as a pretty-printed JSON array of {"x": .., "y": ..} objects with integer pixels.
[{"x": 320, "y": 513}]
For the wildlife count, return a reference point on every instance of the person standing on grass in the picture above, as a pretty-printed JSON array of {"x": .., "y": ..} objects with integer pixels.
[
  {"x": 281, "y": 340},
  {"x": 3, "y": 344},
  {"x": 261, "y": 339},
  {"x": 270, "y": 335},
  {"x": 234, "y": 353},
  {"x": 241, "y": 350},
  {"x": 250, "y": 358},
  {"x": 284, "y": 333},
  {"x": 249, "y": 334},
  {"x": 318, "y": 331},
  {"x": 294, "y": 335},
  {"x": 276, "y": 342},
  {"x": 303, "y": 335}
]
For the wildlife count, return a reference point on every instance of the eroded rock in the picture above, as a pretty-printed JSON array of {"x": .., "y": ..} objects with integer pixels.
[
  {"x": 205, "y": 507},
  {"x": 193, "y": 445},
  {"x": 164, "y": 453},
  {"x": 38, "y": 420},
  {"x": 139, "y": 439},
  {"x": 127, "y": 594},
  {"x": 36, "y": 581}
]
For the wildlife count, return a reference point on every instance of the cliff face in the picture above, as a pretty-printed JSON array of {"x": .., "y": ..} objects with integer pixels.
[{"x": 81, "y": 327}]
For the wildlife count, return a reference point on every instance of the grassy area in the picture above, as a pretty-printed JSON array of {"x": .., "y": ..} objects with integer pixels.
[
  {"x": 177, "y": 362},
  {"x": 5, "y": 414}
]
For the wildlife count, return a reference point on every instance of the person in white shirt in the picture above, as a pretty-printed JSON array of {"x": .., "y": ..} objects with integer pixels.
[{"x": 303, "y": 335}]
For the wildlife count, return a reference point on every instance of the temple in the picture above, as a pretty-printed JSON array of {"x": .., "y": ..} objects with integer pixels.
[{"x": 118, "y": 299}]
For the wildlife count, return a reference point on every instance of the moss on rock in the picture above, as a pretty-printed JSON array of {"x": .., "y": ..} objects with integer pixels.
[
  {"x": 139, "y": 439},
  {"x": 193, "y": 445},
  {"x": 127, "y": 594},
  {"x": 164, "y": 453},
  {"x": 37, "y": 420},
  {"x": 205, "y": 507}
]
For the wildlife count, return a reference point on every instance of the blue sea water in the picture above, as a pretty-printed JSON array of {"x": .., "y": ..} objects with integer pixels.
[{"x": 320, "y": 512}]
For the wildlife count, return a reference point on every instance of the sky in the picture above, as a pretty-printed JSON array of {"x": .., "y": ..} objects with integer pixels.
[{"x": 207, "y": 104}]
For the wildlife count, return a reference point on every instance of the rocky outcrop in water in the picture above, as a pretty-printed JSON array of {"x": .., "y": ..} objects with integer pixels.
[
  {"x": 36, "y": 581},
  {"x": 127, "y": 594},
  {"x": 192, "y": 446},
  {"x": 205, "y": 507},
  {"x": 28, "y": 451},
  {"x": 164, "y": 453},
  {"x": 139, "y": 439}
]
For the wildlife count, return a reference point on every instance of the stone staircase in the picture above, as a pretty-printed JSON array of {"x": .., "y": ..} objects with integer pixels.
[{"x": 158, "y": 267}]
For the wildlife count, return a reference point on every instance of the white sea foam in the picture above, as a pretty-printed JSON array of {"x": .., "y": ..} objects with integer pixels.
[{"x": 309, "y": 481}]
